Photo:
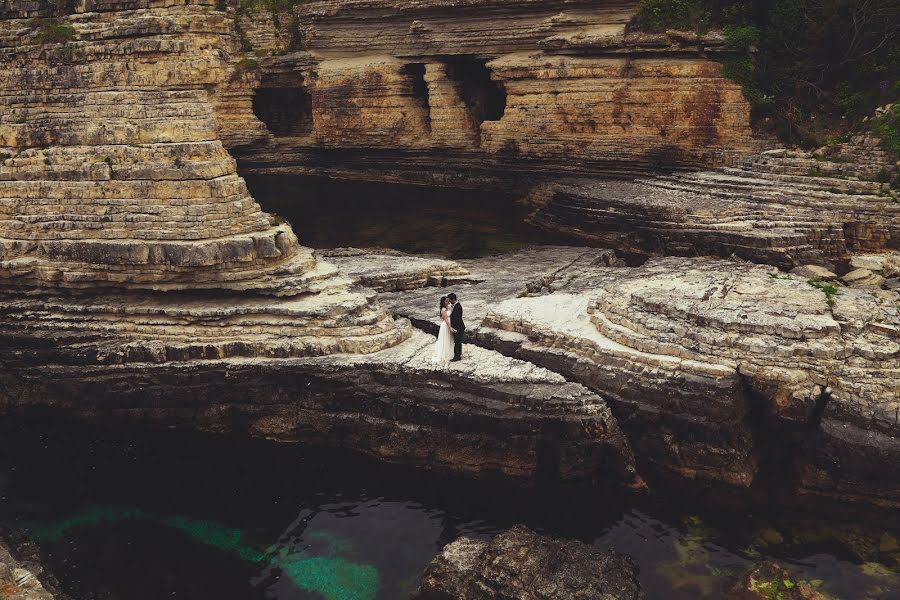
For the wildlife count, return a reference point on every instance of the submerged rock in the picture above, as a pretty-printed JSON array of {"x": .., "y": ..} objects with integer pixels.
[
  {"x": 525, "y": 565},
  {"x": 770, "y": 580}
]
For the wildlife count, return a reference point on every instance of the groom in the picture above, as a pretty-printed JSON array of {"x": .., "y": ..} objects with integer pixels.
[{"x": 457, "y": 327}]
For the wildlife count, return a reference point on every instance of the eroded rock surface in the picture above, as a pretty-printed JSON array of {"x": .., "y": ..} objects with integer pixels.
[
  {"x": 522, "y": 564},
  {"x": 489, "y": 415},
  {"x": 19, "y": 576},
  {"x": 139, "y": 281},
  {"x": 783, "y": 208},
  {"x": 484, "y": 92},
  {"x": 713, "y": 367}
]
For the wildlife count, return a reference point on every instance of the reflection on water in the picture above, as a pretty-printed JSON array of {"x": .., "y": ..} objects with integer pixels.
[
  {"x": 420, "y": 220},
  {"x": 147, "y": 516}
]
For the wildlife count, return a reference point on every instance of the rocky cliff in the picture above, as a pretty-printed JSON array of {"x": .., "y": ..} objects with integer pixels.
[
  {"x": 561, "y": 103},
  {"x": 136, "y": 268},
  {"x": 441, "y": 92},
  {"x": 140, "y": 282}
]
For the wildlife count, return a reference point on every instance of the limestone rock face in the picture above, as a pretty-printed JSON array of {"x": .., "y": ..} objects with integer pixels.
[
  {"x": 517, "y": 83},
  {"x": 774, "y": 208},
  {"x": 520, "y": 563},
  {"x": 113, "y": 184},
  {"x": 136, "y": 268},
  {"x": 488, "y": 416},
  {"x": 715, "y": 369}
]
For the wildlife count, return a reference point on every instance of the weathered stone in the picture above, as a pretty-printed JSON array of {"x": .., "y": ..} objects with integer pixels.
[
  {"x": 487, "y": 416},
  {"x": 522, "y": 564},
  {"x": 872, "y": 262},
  {"x": 19, "y": 579},
  {"x": 863, "y": 278},
  {"x": 686, "y": 350},
  {"x": 814, "y": 272}
]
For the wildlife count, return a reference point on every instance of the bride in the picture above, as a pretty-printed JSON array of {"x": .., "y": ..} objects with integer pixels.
[{"x": 443, "y": 348}]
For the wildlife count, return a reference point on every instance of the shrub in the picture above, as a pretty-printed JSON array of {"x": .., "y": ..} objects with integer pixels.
[
  {"x": 659, "y": 15},
  {"x": 887, "y": 128},
  {"x": 742, "y": 38},
  {"x": 246, "y": 64},
  {"x": 51, "y": 31}
]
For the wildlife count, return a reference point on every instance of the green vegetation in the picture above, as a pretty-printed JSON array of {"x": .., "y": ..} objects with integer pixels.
[
  {"x": 777, "y": 587},
  {"x": 812, "y": 69},
  {"x": 246, "y": 64},
  {"x": 659, "y": 15},
  {"x": 276, "y": 219},
  {"x": 273, "y": 5},
  {"x": 828, "y": 289},
  {"x": 51, "y": 31},
  {"x": 887, "y": 127}
]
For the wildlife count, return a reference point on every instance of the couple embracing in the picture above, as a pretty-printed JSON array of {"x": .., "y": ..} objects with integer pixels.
[{"x": 448, "y": 347}]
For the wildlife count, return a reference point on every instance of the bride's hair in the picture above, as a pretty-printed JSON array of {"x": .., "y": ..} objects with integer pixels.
[{"x": 443, "y": 301}]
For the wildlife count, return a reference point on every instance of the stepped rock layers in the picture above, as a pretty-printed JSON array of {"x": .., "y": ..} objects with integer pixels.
[
  {"x": 550, "y": 100},
  {"x": 781, "y": 207},
  {"x": 469, "y": 93},
  {"x": 716, "y": 370},
  {"x": 140, "y": 281}
]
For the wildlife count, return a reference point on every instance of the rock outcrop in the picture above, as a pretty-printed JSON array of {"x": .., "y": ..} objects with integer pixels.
[
  {"x": 520, "y": 563},
  {"x": 139, "y": 281},
  {"x": 563, "y": 104},
  {"x": 784, "y": 208},
  {"x": 715, "y": 369},
  {"x": 470, "y": 93},
  {"x": 19, "y": 574}
]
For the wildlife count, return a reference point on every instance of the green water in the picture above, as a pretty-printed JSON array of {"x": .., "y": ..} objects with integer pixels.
[{"x": 165, "y": 515}]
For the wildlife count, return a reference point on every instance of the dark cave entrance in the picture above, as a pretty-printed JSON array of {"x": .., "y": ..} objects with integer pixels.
[
  {"x": 416, "y": 74},
  {"x": 286, "y": 111},
  {"x": 484, "y": 97}
]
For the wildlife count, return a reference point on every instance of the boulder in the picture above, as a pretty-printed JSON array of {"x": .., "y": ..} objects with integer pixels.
[
  {"x": 814, "y": 272},
  {"x": 863, "y": 278},
  {"x": 872, "y": 262},
  {"x": 525, "y": 565}
]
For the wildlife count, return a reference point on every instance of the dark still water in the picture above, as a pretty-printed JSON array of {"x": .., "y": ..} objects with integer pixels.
[
  {"x": 146, "y": 516},
  {"x": 326, "y": 213}
]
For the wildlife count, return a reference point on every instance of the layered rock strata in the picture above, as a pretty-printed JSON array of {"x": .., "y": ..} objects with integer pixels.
[
  {"x": 434, "y": 92},
  {"x": 490, "y": 417},
  {"x": 717, "y": 370},
  {"x": 520, "y": 563},
  {"x": 140, "y": 281},
  {"x": 785, "y": 208}
]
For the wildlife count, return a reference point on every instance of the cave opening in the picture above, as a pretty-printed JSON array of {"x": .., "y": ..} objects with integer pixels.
[
  {"x": 286, "y": 111},
  {"x": 484, "y": 97},
  {"x": 416, "y": 74}
]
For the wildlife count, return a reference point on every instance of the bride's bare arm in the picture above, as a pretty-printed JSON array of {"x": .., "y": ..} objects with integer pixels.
[{"x": 445, "y": 315}]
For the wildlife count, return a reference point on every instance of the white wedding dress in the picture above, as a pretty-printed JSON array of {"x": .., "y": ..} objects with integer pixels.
[{"x": 443, "y": 348}]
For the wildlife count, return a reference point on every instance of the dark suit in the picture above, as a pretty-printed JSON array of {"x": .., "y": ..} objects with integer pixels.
[{"x": 456, "y": 322}]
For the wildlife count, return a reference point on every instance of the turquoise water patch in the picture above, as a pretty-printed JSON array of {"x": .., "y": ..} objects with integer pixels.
[{"x": 332, "y": 576}]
